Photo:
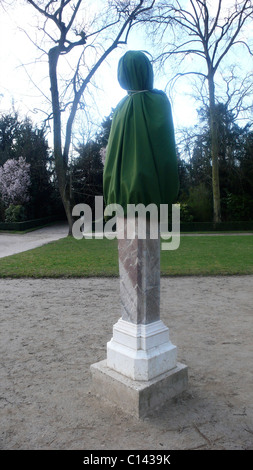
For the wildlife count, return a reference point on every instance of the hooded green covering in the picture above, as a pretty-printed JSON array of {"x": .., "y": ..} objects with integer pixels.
[{"x": 140, "y": 164}]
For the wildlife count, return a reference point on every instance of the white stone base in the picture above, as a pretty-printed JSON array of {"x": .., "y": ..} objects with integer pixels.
[
  {"x": 138, "y": 398},
  {"x": 141, "y": 352}
]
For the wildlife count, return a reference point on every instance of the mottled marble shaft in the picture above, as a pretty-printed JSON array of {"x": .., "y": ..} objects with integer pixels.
[{"x": 139, "y": 268}]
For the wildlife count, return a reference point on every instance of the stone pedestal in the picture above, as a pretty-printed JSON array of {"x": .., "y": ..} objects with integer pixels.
[
  {"x": 141, "y": 368},
  {"x": 136, "y": 397}
]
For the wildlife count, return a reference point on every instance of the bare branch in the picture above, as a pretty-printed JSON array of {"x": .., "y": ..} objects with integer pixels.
[
  {"x": 244, "y": 44},
  {"x": 183, "y": 74},
  {"x": 238, "y": 16},
  {"x": 32, "y": 41},
  {"x": 74, "y": 15},
  {"x": 215, "y": 23},
  {"x": 232, "y": 40},
  {"x": 40, "y": 10},
  {"x": 34, "y": 83}
]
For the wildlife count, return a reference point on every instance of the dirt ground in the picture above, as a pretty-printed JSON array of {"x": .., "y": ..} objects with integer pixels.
[{"x": 53, "y": 330}]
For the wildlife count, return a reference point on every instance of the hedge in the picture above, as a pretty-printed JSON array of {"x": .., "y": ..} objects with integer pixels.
[
  {"x": 184, "y": 226},
  {"x": 27, "y": 224},
  {"x": 219, "y": 227}
]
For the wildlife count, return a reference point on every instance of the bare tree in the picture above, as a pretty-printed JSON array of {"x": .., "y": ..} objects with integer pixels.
[
  {"x": 239, "y": 93},
  {"x": 206, "y": 31},
  {"x": 68, "y": 28}
]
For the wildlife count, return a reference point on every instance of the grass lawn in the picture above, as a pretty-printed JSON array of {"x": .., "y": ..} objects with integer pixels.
[{"x": 203, "y": 255}]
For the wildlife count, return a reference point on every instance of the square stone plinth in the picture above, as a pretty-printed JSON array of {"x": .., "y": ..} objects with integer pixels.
[{"x": 138, "y": 398}]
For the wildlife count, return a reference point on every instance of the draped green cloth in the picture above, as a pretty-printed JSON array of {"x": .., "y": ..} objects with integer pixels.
[{"x": 140, "y": 164}]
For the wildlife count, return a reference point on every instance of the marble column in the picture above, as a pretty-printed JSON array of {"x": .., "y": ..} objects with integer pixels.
[
  {"x": 139, "y": 269},
  {"x": 140, "y": 372},
  {"x": 140, "y": 347}
]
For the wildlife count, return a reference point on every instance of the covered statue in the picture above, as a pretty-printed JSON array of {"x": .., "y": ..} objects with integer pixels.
[
  {"x": 141, "y": 163},
  {"x": 141, "y": 371}
]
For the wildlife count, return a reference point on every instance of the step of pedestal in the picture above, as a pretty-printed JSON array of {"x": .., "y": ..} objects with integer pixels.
[{"x": 138, "y": 398}]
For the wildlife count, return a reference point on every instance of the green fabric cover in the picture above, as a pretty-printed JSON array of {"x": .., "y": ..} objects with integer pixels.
[{"x": 140, "y": 164}]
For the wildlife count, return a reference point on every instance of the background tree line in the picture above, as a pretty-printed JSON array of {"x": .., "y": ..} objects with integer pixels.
[
  {"x": 20, "y": 138},
  {"x": 235, "y": 160}
]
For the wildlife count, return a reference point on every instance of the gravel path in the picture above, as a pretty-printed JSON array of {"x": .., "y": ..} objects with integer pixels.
[
  {"x": 53, "y": 330},
  {"x": 11, "y": 244}
]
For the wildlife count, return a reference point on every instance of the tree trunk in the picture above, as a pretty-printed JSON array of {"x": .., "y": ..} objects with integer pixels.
[
  {"x": 68, "y": 210},
  {"x": 214, "y": 138},
  {"x": 61, "y": 165}
]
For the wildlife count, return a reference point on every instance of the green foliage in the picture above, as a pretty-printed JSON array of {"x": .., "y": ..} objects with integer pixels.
[
  {"x": 31, "y": 143},
  {"x": 21, "y": 138},
  {"x": 9, "y": 127},
  {"x": 103, "y": 136},
  {"x": 15, "y": 213},
  {"x": 184, "y": 169},
  {"x": 2, "y": 210},
  {"x": 185, "y": 215},
  {"x": 200, "y": 203},
  {"x": 87, "y": 168},
  {"x": 238, "y": 207},
  {"x": 235, "y": 169},
  {"x": 87, "y": 174}
]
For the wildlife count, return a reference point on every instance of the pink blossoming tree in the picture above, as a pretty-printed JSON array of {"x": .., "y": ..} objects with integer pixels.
[{"x": 15, "y": 181}]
